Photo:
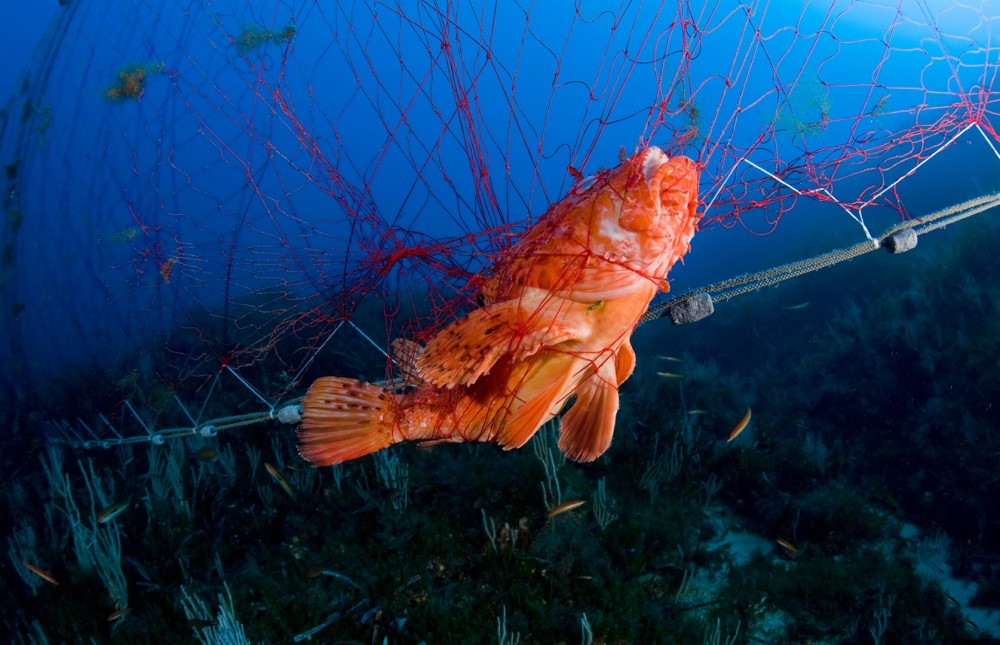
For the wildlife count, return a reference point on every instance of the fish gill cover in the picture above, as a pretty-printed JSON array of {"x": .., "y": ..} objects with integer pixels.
[{"x": 203, "y": 197}]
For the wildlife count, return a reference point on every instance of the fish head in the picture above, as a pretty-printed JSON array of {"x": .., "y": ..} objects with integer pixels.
[
  {"x": 647, "y": 207},
  {"x": 659, "y": 194},
  {"x": 639, "y": 216}
]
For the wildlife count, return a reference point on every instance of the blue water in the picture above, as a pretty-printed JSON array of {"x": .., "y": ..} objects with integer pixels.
[{"x": 188, "y": 220}]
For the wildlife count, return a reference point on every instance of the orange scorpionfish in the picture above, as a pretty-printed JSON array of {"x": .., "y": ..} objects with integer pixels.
[{"x": 558, "y": 311}]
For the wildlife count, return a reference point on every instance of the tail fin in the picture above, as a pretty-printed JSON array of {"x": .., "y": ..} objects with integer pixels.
[{"x": 343, "y": 419}]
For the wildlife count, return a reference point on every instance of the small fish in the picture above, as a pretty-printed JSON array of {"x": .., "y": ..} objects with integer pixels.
[
  {"x": 201, "y": 622},
  {"x": 788, "y": 547},
  {"x": 206, "y": 454},
  {"x": 971, "y": 625},
  {"x": 739, "y": 426},
  {"x": 556, "y": 313},
  {"x": 697, "y": 411},
  {"x": 565, "y": 507},
  {"x": 41, "y": 573},
  {"x": 952, "y": 600},
  {"x": 118, "y": 615},
  {"x": 670, "y": 359},
  {"x": 798, "y": 307},
  {"x": 886, "y": 498},
  {"x": 113, "y": 511},
  {"x": 670, "y": 375},
  {"x": 273, "y": 472}
]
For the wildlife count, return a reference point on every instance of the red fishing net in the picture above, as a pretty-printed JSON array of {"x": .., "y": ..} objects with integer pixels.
[{"x": 192, "y": 186}]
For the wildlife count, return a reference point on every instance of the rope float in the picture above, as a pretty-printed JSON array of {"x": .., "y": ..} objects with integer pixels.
[{"x": 700, "y": 303}]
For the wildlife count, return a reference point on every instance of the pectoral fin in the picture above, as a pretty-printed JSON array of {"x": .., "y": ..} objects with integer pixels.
[
  {"x": 406, "y": 352},
  {"x": 586, "y": 429},
  {"x": 471, "y": 346},
  {"x": 524, "y": 423}
]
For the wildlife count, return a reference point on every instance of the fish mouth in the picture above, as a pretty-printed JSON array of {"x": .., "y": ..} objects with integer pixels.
[
  {"x": 652, "y": 162},
  {"x": 672, "y": 183}
]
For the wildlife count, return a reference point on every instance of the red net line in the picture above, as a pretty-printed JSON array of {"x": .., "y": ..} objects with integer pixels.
[{"x": 195, "y": 185}]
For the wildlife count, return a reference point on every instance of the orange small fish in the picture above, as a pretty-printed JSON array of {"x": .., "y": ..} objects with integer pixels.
[
  {"x": 118, "y": 615},
  {"x": 556, "y": 314},
  {"x": 276, "y": 474},
  {"x": 41, "y": 573},
  {"x": 207, "y": 455},
  {"x": 565, "y": 507},
  {"x": 735, "y": 432},
  {"x": 788, "y": 547}
]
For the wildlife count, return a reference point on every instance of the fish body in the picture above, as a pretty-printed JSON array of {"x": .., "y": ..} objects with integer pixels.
[{"x": 557, "y": 313}]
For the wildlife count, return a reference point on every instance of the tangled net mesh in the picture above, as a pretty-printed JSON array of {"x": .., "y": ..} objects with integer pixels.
[{"x": 234, "y": 183}]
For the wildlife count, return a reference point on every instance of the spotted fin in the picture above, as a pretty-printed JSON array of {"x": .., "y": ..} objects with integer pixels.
[
  {"x": 586, "y": 429},
  {"x": 471, "y": 346},
  {"x": 406, "y": 352},
  {"x": 343, "y": 419}
]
